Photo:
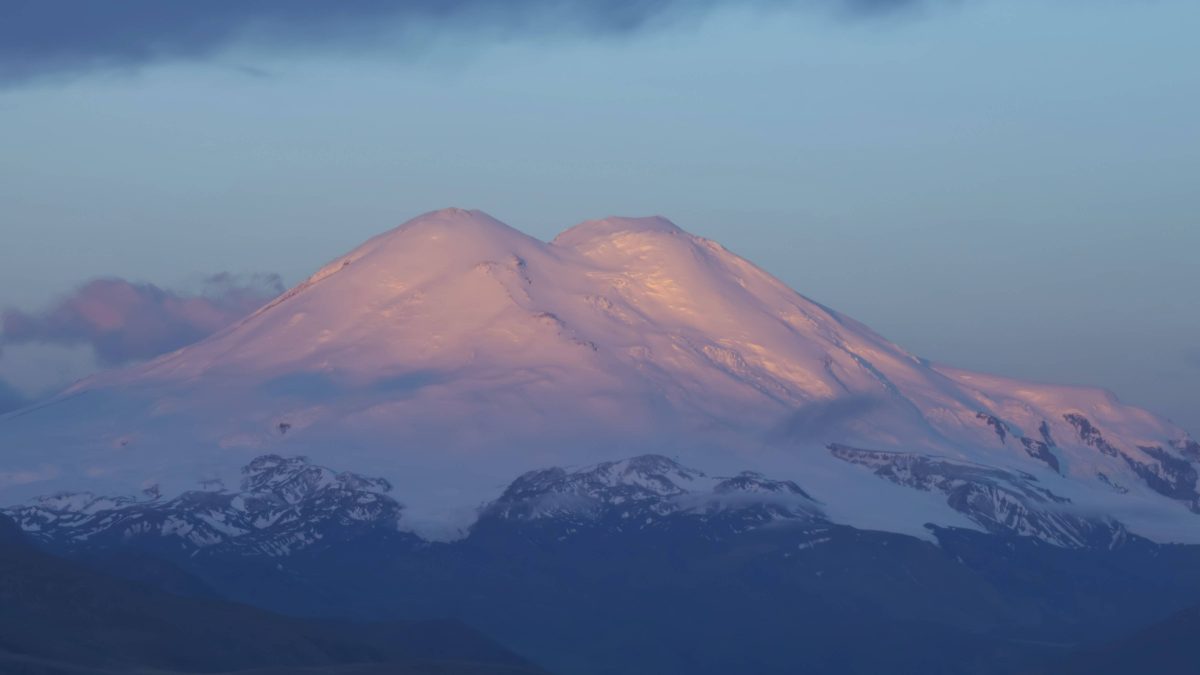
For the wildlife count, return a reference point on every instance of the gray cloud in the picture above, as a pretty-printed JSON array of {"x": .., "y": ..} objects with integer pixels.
[
  {"x": 64, "y": 37},
  {"x": 126, "y": 321}
]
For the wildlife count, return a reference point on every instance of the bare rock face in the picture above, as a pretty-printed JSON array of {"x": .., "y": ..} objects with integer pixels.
[
  {"x": 1166, "y": 473},
  {"x": 1000, "y": 501}
]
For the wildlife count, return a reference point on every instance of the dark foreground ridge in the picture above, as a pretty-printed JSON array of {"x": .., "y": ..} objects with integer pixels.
[
  {"x": 1165, "y": 648},
  {"x": 58, "y": 617},
  {"x": 640, "y": 566}
]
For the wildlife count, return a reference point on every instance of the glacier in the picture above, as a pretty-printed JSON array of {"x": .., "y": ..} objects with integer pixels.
[{"x": 453, "y": 354}]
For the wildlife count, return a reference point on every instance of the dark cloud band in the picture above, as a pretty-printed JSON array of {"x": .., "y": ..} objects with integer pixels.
[
  {"x": 62, "y": 37},
  {"x": 126, "y": 321}
]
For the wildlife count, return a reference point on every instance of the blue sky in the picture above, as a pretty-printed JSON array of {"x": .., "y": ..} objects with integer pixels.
[{"x": 1005, "y": 185}]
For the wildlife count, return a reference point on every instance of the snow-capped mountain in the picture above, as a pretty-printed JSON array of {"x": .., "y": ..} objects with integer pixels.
[
  {"x": 287, "y": 505},
  {"x": 454, "y": 353},
  {"x": 284, "y": 505},
  {"x": 644, "y": 492}
]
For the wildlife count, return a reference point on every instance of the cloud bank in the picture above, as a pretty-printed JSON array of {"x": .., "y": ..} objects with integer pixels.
[
  {"x": 126, "y": 321},
  {"x": 66, "y": 37}
]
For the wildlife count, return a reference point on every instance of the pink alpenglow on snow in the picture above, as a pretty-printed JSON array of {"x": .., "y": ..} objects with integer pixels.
[{"x": 454, "y": 353}]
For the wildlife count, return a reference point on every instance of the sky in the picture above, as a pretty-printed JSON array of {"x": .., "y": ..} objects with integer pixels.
[{"x": 1004, "y": 185}]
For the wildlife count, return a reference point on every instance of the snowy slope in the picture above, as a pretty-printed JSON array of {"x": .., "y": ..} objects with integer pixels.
[{"x": 454, "y": 353}]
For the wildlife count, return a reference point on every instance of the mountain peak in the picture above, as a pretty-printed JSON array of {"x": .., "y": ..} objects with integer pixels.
[
  {"x": 614, "y": 226},
  {"x": 455, "y": 217},
  {"x": 432, "y": 240},
  {"x": 456, "y": 351},
  {"x": 468, "y": 227}
]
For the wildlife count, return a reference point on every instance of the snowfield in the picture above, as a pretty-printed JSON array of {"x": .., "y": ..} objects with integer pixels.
[{"x": 453, "y": 354}]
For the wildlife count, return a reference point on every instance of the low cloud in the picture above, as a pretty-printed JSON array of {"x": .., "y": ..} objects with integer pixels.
[
  {"x": 126, "y": 321},
  {"x": 817, "y": 420},
  {"x": 62, "y": 37}
]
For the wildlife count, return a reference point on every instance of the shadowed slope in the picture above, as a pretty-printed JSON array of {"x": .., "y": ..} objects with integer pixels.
[{"x": 58, "y": 617}]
